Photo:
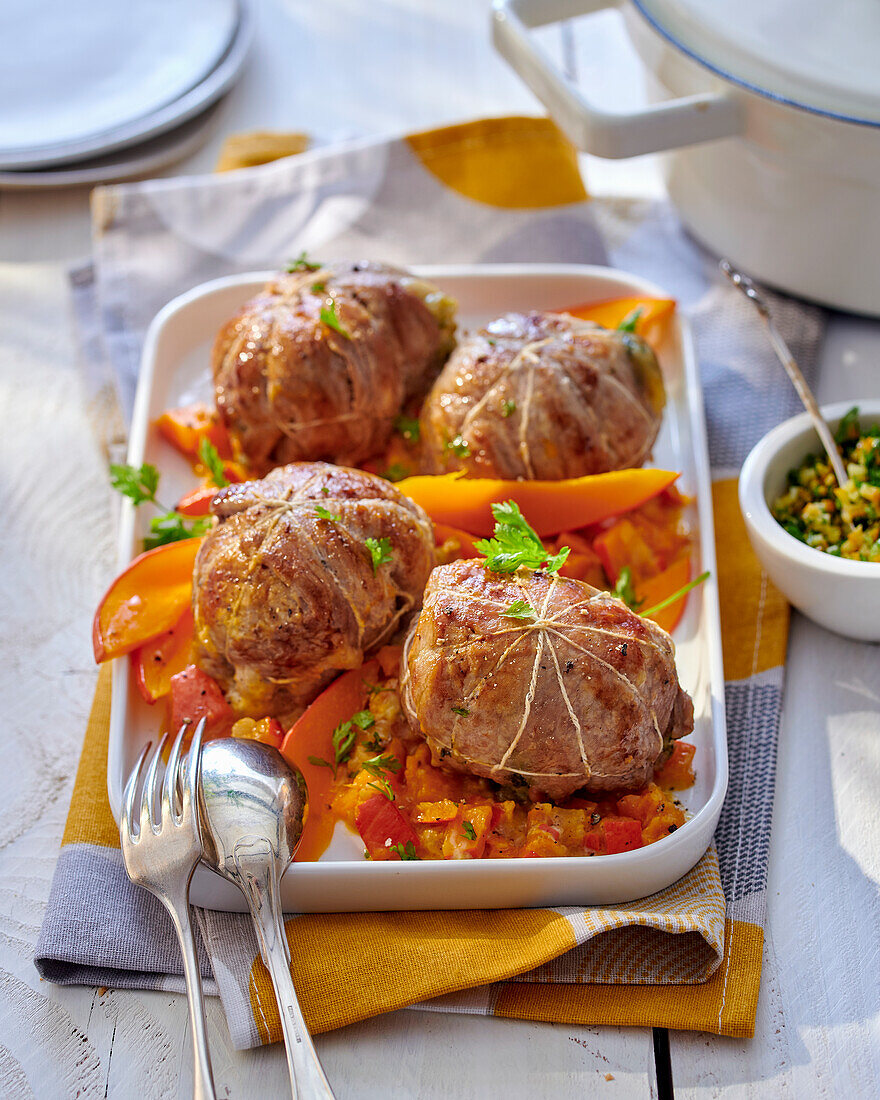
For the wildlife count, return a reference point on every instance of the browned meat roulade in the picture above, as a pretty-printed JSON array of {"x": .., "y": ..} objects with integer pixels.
[
  {"x": 540, "y": 681},
  {"x": 321, "y": 361},
  {"x": 543, "y": 396},
  {"x": 307, "y": 570}
]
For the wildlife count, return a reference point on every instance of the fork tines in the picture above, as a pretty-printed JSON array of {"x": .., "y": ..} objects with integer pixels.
[{"x": 172, "y": 799}]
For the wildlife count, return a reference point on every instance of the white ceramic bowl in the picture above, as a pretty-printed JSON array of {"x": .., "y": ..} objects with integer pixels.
[{"x": 842, "y": 595}]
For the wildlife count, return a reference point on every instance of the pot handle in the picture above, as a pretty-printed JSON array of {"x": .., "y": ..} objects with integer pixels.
[{"x": 666, "y": 125}]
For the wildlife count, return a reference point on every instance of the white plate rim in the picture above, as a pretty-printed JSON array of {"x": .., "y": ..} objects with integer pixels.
[
  {"x": 696, "y": 834},
  {"x": 187, "y": 106},
  {"x": 154, "y": 155}
]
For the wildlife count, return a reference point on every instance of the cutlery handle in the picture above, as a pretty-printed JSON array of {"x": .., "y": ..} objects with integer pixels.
[
  {"x": 258, "y": 879},
  {"x": 203, "y": 1078}
]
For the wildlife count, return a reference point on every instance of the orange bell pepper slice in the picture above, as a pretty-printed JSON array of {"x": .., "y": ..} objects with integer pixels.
[
  {"x": 452, "y": 540},
  {"x": 584, "y": 567},
  {"x": 665, "y": 539},
  {"x": 677, "y": 774},
  {"x": 575, "y": 541},
  {"x": 185, "y": 427},
  {"x": 652, "y": 325},
  {"x": 653, "y": 590},
  {"x": 146, "y": 599},
  {"x": 549, "y": 506},
  {"x": 310, "y": 736},
  {"x": 623, "y": 547},
  {"x": 157, "y": 661}
]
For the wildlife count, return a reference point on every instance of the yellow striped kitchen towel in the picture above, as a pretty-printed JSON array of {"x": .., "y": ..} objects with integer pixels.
[{"x": 496, "y": 190}]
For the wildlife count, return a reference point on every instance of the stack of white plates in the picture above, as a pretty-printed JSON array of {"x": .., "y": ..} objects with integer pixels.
[{"x": 96, "y": 90}]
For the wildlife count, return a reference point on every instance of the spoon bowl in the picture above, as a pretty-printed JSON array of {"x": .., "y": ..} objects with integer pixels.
[
  {"x": 253, "y": 806},
  {"x": 249, "y": 789}
]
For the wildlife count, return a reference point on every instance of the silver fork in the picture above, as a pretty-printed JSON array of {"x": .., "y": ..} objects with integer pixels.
[{"x": 161, "y": 851}]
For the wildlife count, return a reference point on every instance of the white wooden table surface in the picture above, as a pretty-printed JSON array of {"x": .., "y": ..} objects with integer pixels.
[{"x": 336, "y": 68}]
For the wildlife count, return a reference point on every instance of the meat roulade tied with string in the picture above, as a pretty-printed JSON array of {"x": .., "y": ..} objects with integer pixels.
[
  {"x": 543, "y": 396},
  {"x": 308, "y": 570},
  {"x": 540, "y": 681},
  {"x": 322, "y": 360}
]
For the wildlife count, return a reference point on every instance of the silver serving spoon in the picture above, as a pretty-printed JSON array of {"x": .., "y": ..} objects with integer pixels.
[
  {"x": 745, "y": 284},
  {"x": 253, "y": 806}
]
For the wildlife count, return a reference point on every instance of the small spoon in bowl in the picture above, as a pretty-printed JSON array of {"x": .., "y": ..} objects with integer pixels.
[
  {"x": 253, "y": 804},
  {"x": 745, "y": 284}
]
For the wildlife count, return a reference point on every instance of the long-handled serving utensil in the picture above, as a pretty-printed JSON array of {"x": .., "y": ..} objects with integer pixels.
[
  {"x": 745, "y": 284},
  {"x": 253, "y": 805},
  {"x": 161, "y": 849}
]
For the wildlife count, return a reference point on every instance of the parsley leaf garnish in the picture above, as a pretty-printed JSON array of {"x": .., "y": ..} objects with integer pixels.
[
  {"x": 463, "y": 711},
  {"x": 173, "y": 527},
  {"x": 408, "y": 427},
  {"x": 138, "y": 483},
  {"x": 469, "y": 831},
  {"x": 395, "y": 472},
  {"x": 628, "y": 324},
  {"x": 625, "y": 590},
  {"x": 212, "y": 461},
  {"x": 407, "y": 851},
  {"x": 378, "y": 765},
  {"x": 344, "y": 738},
  {"x": 318, "y": 288},
  {"x": 508, "y": 409},
  {"x": 676, "y": 595},
  {"x": 516, "y": 544},
  {"x": 383, "y": 787},
  {"x": 325, "y": 513},
  {"x": 301, "y": 263},
  {"x": 520, "y": 609},
  {"x": 458, "y": 446},
  {"x": 331, "y": 320},
  {"x": 343, "y": 741},
  {"x": 380, "y": 551}
]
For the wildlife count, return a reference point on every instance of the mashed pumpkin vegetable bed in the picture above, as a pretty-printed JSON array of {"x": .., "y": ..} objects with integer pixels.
[
  {"x": 621, "y": 530},
  {"x": 376, "y": 775}
]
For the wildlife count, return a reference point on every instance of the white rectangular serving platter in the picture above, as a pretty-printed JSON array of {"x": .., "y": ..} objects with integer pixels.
[{"x": 176, "y": 370}]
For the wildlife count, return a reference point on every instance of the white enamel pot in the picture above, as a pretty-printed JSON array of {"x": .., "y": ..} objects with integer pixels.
[{"x": 769, "y": 164}]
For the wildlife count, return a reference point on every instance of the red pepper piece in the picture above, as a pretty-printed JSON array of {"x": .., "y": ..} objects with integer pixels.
[
  {"x": 196, "y": 695},
  {"x": 622, "y": 834},
  {"x": 382, "y": 827}
]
